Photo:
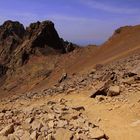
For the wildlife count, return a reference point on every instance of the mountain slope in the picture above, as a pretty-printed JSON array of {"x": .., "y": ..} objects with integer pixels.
[{"x": 39, "y": 58}]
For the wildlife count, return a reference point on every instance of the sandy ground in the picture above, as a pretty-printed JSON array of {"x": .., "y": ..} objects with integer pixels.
[{"x": 120, "y": 121}]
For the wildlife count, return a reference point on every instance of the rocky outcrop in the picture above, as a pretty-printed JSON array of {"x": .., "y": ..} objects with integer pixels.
[
  {"x": 43, "y": 34},
  {"x": 18, "y": 44},
  {"x": 3, "y": 70},
  {"x": 122, "y": 29},
  {"x": 40, "y": 38},
  {"x": 11, "y": 35}
]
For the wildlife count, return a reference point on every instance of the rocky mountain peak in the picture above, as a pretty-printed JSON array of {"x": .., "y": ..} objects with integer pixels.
[
  {"x": 122, "y": 29},
  {"x": 18, "y": 45},
  {"x": 11, "y": 28},
  {"x": 43, "y": 34},
  {"x": 11, "y": 35}
]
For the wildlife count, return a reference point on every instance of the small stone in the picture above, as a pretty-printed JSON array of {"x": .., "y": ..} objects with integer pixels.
[
  {"x": 136, "y": 123},
  {"x": 29, "y": 120},
  {"x": 81, "y": 120},
  {"x": 34, "y": 135},
  {"x": 70, "y": 90},
  {"x": 13, "y": 137},
  {"x": 62, "y": 101},
  {"x": 28, "y": 110},
  {"x": 51, "y": 103},
  {"x": 114, "y": 91},
  {"x": 96, "y": 133},
  {"x": 83, "y": 137},
  {"x": 63, "y": 134},
  {"x": 57, "y": 110},
  {"x": 79, "y": 108},
  {"x": 19, "y": 133},
  {"x": 26, "y": 126},
  {"x": 44, "y": 129},
  {"x": 100, "y": 98},
  {"x": 51, "y": 116},
  {"x": 26, "y": 136},
  {"x": 74, "y": 123},
  {"x": 40, "y": 137},
  {"x": 51, "y": 124},
  {"x": 1, "y": 115},
  {"x": 128, "y": 81},
  {"x": 50, "y": 137},
  {"x": 36, "y": 125},
  {"x": 63, "y": 77},
  {"x": 7, "y": 130},
  {"x": 92, "y": 71},
  {"x": 62, "y": 123}
]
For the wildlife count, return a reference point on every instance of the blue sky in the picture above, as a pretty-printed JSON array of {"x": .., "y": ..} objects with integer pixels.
[{"x": 80, "y": 21}]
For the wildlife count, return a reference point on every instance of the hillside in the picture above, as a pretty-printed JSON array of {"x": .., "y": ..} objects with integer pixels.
[
  {"x": 21, "y": 50},
  {"x": 46, "y": 62}
]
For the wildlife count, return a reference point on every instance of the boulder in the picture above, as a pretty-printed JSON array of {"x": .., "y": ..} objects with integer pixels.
[
  {"x": 7, "y": 130},
  {"x": 34, "y": 135},
  {"x": 62, "y": 78},
  {"x": 92, "y": 71},
  {"x": 100, "y": 89},
  {"x": 26, "y": 136},
  {"x": 63, "y": 134},
  {"x": 113, "y": 91},
  {"x": 129, "y": 80},
  {"x": 96, "y": 133},
  {"x": 14, "y": 137},
  {"x": 29, "y": 120},
  {"x": 51, "y": 116},
  {"x": 61, "y": 123},
  {"x": 36, "y": 125},
  {"x": 51, "y": 124}
]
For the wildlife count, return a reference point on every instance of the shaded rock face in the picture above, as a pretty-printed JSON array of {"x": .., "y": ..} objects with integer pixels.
[
  {"x": 11, "y": 34},
  {"x": 3, "y": 70},
  {"x": 44, "y": 34},
  {"x": 11, "y": 28}
]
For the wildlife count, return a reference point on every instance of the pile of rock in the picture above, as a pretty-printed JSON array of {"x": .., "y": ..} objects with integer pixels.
[{"x": 50, "y": 121}]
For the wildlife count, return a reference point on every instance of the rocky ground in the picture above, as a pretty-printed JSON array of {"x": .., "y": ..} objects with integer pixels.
[
  {"x": 48, "y": 120},
  {"x": 103, "y": 103}
]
